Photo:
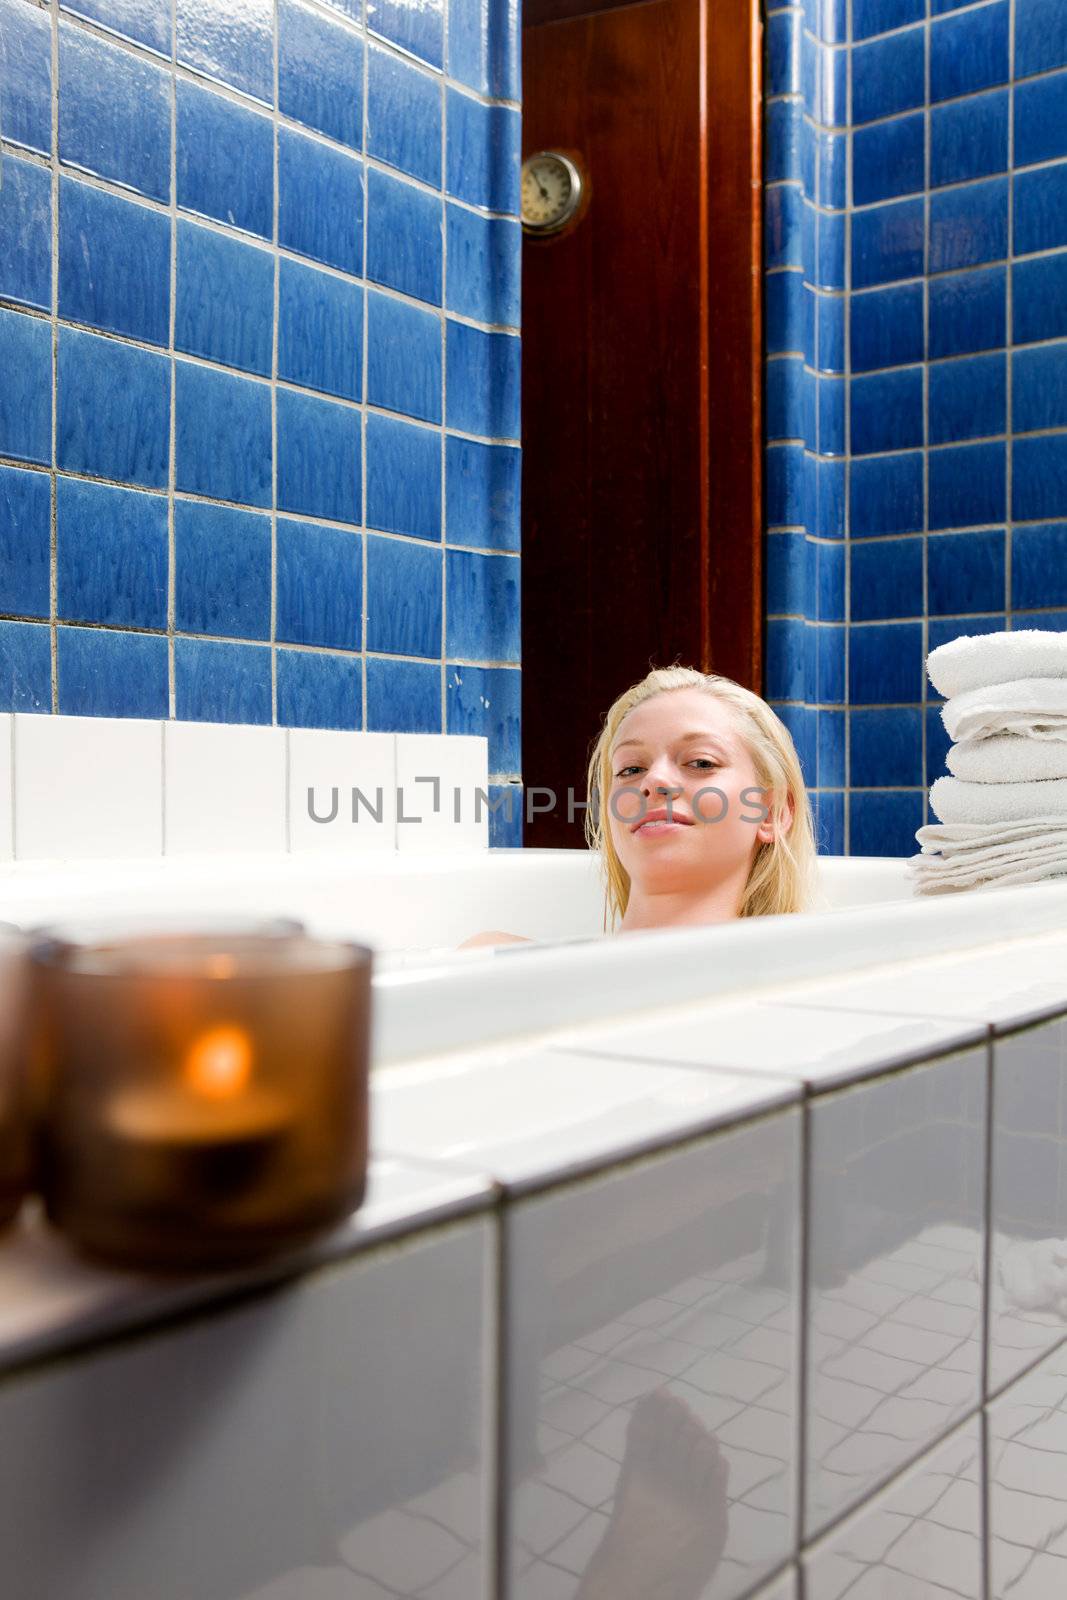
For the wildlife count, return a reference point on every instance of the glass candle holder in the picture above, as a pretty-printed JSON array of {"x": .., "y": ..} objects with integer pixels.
[
  {"x": 15, "y": 1134},
  {"x": 204, "y": 1096}
]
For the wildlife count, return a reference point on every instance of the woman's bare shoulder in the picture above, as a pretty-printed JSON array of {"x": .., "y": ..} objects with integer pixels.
[{"x": 493, "y": 936}]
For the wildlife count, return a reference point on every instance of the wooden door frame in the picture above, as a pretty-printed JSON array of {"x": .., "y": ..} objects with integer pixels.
[{"x": 731, "y": 327}]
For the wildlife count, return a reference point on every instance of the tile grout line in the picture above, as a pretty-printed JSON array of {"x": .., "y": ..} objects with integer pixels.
[
  {"x": 364, "y": 386},
  {"x": 443, "y": 579},
  {"x": 1009, "y": 333},
  {"x": 275, "y": 303},
  {"x": 172, "y": 465},
  {"x": 53, "y": 536},
  {"x": 924, "y": 773}
]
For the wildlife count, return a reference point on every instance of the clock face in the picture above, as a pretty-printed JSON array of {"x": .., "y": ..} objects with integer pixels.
[{"x": 551, "y": 190}]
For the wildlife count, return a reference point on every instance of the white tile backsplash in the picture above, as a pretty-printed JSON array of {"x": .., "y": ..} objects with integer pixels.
[
  {"x": 87, "y": 786},
  {"x": 225, "y": 788},
  {"x": 1027, "y": 1435},
  {"x": 7, "y": 786},
  {"x": 347, "y": 777},
  {"x": 442, "y": 809}
]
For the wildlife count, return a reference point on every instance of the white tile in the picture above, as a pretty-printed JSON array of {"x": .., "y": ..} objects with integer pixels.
[
  {"x": 920, "y": 1539},
  {"x": 822, "y": 1047},
  {"x": 784, "y": 1588},
  {"x": 87, "y": 787},
  {"x": 342, "y": 791},
  {"x": 658, "y": 1419},
  {"x": 1028, "y": 1267},
  {"x": 437, "y": 777},
  {"x": 1028, "y": 1485},
  {"x": 332, "y": 1409},
  {"x": 225, "y": 788},
  {"x": 7, "y": 789},
  {"x": 534, "y": 1116},
  {"x": 894, "y": 1163}
]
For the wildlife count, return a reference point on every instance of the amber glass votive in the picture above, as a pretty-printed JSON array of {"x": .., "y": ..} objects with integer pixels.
[
  {"x": 15, "y": 1140},
  {"x": 204, "y": 1095}
]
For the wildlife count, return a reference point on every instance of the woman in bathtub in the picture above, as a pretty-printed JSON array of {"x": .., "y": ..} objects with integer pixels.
[{"x": 708, "y": 818}]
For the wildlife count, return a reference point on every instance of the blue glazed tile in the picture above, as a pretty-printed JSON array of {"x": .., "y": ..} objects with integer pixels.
[
  {"x": 403, "y": 358},
  {"x": 965, "y": 572},
  {"x": 967, "y": 399},
  {"x": 782, "y": 209},
  {"x": 1041, "y": 210},
  {"x": 319, "y": 691},
  {"x": 482, "y": 160},
  {"x": 1039, "y": 299},
  {"x": 889, "y": 159},
  {"x": 468, "y": 44},
  {"x": 25, "y": 666},
  {"x": 884, "y": 823},
  {"x": 1040, "y": 36},
  {"x": 483, "y": 606},
  {"x": 827, "y": 19},
  {"x": 829, "y": 663},
  {"x": 831, "y": 403},
  {"x": 320, "y": 585},
  {"x": 504, "y": 48},
  {"x": 830, "y": 582},
  {"x": 1039, "y": 478},
  {"x": 146, "y": 22},
  {"x": 969, "y": 53},
  {"x": 505, "y": 811},
  {"x": 969, "y": 226},
  {"x": 484, "y": 267},
  {"x": 937, "y": 739},
  {"x": 221, "y": 571},
  {"x": 25, "y": 542},
  {"x": 887, "y": 244},
  {"x": 320, "y": 73},
  {"x": 404, "y": 117},
  {"x": 320, "y": 202},
  {"x": 783, "y": 382},
  {"x": 809, "y": 241},
  {"x": 403, "y": 477},
  {"x": 801, "y": 722},
  {"x": 225, "y": 161},
  {"x": 887, "y": 328},
  {"x": 112, "y": 410},
  {"x": 830, "y": 333},
  {"x": 1039, "y": 566},
  {"x": 221, "y": 682},
  {"x": 831, "y": 104},
  {"x": 782, "y": 48},
  {"x": 404, "y": 597},
  {"x": 234, "y": 44},
  {"x": 786, "y": 658},
  {"x": 319, "y": 465},
  {"x": 968, "y": 312},
  {"x": 871, "y": 17},
  {"x": 352, "y": 9},
  {"x": 886, "y": 495},
  {"x": 830, "y": 237},
  {"x": 405, "y": 247},
  {"x": 482, "y": 488},
  {"x": 832, "y": 156},
  {"x": 786, "y": 556},
  {"x": 808, "y": 418},
  {"x": 114, "y": 114},
  {"x": 26, "y": 76},
  {"x": 887, "y": 411},
  {"x": 889, "y": 76},
  {"x": 830, "y": 743},
  {"x": 114, "y": 263},
  {"x": 111, "y": 555},
  {"x": 886, "y": 578},
  {"x": 828, "y": 815},
  {"x": 808, "y": 324},
  {"x": 828, "y": 520},
  {"x": 969, "y": 139},
  {"x": 885, "y": 663},
  {"x": 1040, "y": 123},
  {"x": 224, "y": 303},
  {"x": 25, "y": 397},
  {"x": 418, "y": 27},
  {"x": 101, "y": 673},
  {"x": 968, "y": 486},
  {"x": 886, "y": 748},
  {"x": 320, "y": 330},
  {"x": 783, "y": 464},
  {"x": 26, "y": 234},
  {"x": 222, "y": 435},
  {"x": 1039, "y": 389},
  {"x": 403, "y": 696},
  {"x": 939, "y": 632},
  {"x": 783, "y": 129},
  {"x": 483, "y": 382}
]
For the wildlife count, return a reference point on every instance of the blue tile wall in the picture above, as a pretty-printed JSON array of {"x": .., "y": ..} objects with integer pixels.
[
  {"x": 259, "y": 293},
  {"x": 933, "y": 501}
]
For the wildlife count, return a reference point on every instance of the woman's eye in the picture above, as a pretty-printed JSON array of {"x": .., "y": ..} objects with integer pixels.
[
  {"x": 703, "y": 761},
  {"x": 625, "y": 770}
]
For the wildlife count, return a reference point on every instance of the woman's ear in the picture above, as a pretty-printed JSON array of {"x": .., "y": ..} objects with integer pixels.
[{"x": 767, "y": 831}]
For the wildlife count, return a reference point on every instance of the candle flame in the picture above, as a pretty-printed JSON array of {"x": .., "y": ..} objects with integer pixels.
[{"x": 219, "y": 1064}]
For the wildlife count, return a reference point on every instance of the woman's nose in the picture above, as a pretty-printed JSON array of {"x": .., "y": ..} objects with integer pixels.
[{"x": 657, "y": 779}]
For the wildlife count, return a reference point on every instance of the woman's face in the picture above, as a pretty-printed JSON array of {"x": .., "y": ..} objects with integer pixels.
[{"x": 666, "y": 751}]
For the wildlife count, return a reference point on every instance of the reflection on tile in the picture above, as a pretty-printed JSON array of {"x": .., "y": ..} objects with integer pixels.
[
  {"x": 652, "y": 1330},
  {"x": 26, "y": 234},
  {"x": 146, "y": 22},
  {"x": 895, "y": 1253},
  {"x": 415, "y": 25},
  {"x": 920, "y": 1540},
  {"x": 114, "y": 113},
  {"x": 320, "y": 73},
  {"x": 404, "y": 117},
  {"x": 483, "y": 154},
  {"x": 1027, "y": 1493},
  {"x": 233, "y": 43},
  {"x": 26, "y": 76}
]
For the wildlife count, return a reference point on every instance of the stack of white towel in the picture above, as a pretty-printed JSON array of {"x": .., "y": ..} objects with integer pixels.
[{"x": 1004, "y": 811}]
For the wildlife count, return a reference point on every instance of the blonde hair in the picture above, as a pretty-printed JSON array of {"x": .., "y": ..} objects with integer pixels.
[{"x": 783, "y": 876}]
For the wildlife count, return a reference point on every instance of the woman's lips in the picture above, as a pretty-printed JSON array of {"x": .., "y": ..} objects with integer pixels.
[{"x": 656, "y": 825}]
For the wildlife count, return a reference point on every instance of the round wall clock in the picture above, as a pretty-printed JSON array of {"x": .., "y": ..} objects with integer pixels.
[{"x": 551, "y": 192}]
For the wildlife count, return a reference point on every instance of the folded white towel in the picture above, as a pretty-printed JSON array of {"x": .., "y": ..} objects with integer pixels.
[
  {"x": 964, "y": 841},
  {"x": 976, "y": 660},
  {"x": 1007, "y": 852},
  {"x": 1035, "y": 707},
  {"x": 1007, "y": 758},
  {"x": 1031, "y": 868},
  {"x": 952, "y": 800}
]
